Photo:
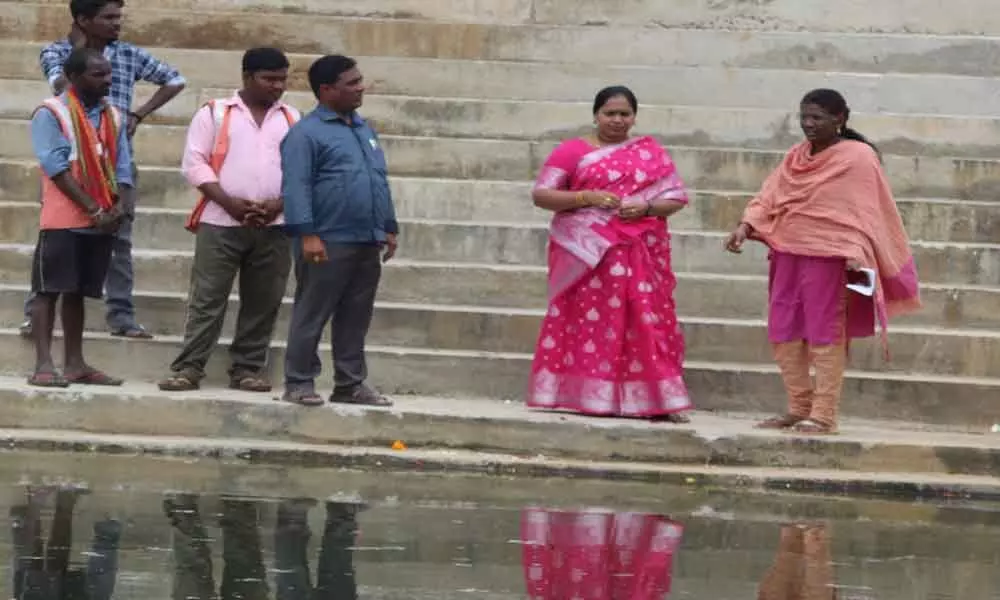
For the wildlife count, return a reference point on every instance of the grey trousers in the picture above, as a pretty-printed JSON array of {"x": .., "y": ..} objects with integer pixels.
[
  {"x": 340, "y": 292},
  {"x": 335, "y": 576},
  {"x": 262, "y": 257},
  {"x": 243, "y": 574}
]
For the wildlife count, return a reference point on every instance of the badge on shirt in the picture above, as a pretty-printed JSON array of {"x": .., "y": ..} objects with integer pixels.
[{"x": 373, "y": 143}]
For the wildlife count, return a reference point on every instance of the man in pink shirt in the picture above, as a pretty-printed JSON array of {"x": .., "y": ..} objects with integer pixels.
[{"x": 232, "y": 157}]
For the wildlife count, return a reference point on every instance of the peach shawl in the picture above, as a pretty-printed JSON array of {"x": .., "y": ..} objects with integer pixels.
[{"x": 838, "y": 203}]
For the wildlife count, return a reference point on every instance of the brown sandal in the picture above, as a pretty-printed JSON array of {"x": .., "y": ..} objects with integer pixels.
[
  {"x": 302, "y": 398},
  {"x": 179, "y": 382},
  {"x": 781, "y": 422},
  {"x": 248, "y": 382},
  {"x": 811, "y": 427}
]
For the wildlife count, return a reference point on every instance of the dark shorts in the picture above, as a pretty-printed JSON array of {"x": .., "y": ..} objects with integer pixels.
[{"x": 69, "y": 262}]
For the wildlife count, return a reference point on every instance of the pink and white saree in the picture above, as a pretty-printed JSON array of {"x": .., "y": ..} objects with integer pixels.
[
  {"x": 597, "y": 555},
  {"x": 610, "y": 343}
]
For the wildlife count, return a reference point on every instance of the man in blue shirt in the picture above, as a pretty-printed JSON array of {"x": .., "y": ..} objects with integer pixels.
[
  {"x": 340, "y": 213},
  {"x": 97, "y": 24}
]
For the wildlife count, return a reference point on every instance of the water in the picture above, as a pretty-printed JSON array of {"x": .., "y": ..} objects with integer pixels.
[{"x": 96, "y": 527}]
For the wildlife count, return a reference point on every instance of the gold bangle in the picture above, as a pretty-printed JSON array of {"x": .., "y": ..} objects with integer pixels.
[{"x": 579, "y": 201}]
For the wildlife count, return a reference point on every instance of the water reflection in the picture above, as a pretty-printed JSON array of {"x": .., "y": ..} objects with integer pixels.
[
  {"x": 244, "y": 575},
  {"x": 597, "y": 555},
  {"x": 803, "y": 567},
  {"x": 66, "y": 545},
  {"x": 42, "y": 568}
]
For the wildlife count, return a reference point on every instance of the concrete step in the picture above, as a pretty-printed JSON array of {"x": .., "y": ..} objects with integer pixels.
[
  {"x": 405, "y": 74},
  {"x": 959, "y": 352},
  {"x": 928, "y": 219},
  {"x": 448, "y": 11},
  {"x": 167, "y": 197},
  {"x": 534, "y": 120},
  {"x": 510, "y": 160},
  {"x": 904, "y": 16},
  {"x": 414, "y": 197},
  {"x": 521, "y": 30},
  {"x": 486, "y": 426},
  {"x": 525, "y": 287},
  {"x": 505, "y": 243},
  {"x": 784, "y": 15},
  {"x": 458, "y": 34},
  {"x": 932, "y": 399}
]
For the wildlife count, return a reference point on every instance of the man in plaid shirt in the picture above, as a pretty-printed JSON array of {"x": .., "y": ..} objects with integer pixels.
[{"x": 98, "y": 24}]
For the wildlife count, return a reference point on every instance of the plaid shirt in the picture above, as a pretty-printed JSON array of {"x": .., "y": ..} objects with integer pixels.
[{"x": 129, "y": 64}]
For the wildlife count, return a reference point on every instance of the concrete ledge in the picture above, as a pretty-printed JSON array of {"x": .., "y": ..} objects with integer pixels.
[
  {"x": 900, "y": 16},
  {"x": 710, "y": 168},
  {"x": 429, "y": 461},
  {"x": 492, "y": 427},
  {"x": 457, "y": 203},
  {"x": 764, "y": 128},
  {"x": 521, "y": 29},
  {"x": 962, "y": 402},
  {"x": 966, "y": 353},
  {"x": 166, "y": 195}
]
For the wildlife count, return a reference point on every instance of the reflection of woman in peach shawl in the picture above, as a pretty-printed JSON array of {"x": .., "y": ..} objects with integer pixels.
[
  {"x": 827, "y": 213},
  {"x": 803, "y": 568}
]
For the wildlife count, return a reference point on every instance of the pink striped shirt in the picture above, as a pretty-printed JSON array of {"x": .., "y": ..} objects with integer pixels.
[{"x": 252, "y": 169}]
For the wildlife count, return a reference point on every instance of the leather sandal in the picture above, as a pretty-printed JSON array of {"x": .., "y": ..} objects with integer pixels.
[{"x": 780, "y": 422}]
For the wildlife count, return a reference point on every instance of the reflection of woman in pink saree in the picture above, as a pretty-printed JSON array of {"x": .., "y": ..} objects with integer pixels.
[
  {"x": 597, "y": 555},
  {"x": 610, "y": 343}
]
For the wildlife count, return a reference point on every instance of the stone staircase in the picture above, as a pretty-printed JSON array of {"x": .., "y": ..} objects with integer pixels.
[{"x": 470, "y": 95}]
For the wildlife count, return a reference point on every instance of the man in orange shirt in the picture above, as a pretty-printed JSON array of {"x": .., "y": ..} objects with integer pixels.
[{"x": 82, "y": 146}]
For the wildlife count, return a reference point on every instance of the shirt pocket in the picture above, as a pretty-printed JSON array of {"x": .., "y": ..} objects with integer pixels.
[{"x": 375, "y": 154}]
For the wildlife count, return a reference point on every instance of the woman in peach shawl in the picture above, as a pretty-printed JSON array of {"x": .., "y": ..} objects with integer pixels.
[{"x": 827, "y": 214}]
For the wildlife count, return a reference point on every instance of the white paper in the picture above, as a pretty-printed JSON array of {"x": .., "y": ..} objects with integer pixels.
[{"x": 865, "y": 289}]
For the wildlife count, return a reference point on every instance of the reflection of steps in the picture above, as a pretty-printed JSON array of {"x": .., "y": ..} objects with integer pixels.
[{"x": 469, "y": 98}]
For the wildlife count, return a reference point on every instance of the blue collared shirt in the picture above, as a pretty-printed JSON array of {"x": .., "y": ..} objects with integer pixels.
[
  {"x": 334, "y": 180},
  {"x": 129, "y": 64}
]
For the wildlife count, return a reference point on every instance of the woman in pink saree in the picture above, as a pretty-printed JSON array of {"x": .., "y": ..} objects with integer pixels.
[
  {"x": 610, "y": 343},
  {"x": 597, "y": 555}
]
